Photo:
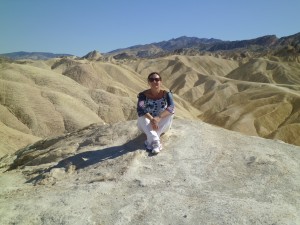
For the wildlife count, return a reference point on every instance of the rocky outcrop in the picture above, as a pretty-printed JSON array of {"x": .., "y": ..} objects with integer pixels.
[{"x": 102, "y": 174}]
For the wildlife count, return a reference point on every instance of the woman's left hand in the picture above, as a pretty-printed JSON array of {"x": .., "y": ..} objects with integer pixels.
[{"x": 154, "y": 123}]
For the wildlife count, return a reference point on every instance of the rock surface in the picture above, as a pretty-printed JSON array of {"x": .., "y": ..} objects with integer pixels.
[{"x": 102, "y": 175}]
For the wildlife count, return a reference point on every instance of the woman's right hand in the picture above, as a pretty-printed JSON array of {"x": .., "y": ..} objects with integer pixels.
[{"x": 154, "y": 123}]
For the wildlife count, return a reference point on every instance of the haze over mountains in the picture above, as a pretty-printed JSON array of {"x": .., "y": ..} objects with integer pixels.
[{"x": 32, "y": 55}]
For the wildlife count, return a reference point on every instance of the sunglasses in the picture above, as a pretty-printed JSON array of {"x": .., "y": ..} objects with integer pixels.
[{"x": 154, "y": 79}]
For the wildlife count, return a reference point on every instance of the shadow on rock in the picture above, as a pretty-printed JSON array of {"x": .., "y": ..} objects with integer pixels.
[{"x": 89, "y": 158}]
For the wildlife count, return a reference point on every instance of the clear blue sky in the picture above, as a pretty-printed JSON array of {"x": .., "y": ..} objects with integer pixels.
[{"x": 80, "y": 26}]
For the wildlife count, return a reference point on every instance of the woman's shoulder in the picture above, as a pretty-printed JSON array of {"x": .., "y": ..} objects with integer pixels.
[
  {"x": 142, "y": 94},
  {"x": 147, "y": 93},
  {"x": 167, "y": 92}
]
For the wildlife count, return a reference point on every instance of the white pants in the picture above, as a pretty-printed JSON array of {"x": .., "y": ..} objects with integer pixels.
[{"x": 145, "y": 126}]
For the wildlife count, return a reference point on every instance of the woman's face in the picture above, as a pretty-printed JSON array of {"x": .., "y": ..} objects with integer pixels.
[{"x": 154, "y": 81}]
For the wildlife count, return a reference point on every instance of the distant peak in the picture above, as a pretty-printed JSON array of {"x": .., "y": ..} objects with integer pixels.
[{"x": 93, "y": 55}]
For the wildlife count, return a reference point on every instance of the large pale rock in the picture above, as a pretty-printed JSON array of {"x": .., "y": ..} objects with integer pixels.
[{"x": 103, "y": 175}]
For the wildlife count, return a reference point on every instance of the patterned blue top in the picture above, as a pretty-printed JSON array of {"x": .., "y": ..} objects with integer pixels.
[{"x": 155, "y": 107}]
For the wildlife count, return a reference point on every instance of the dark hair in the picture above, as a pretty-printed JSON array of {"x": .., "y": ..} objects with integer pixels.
[{"x": 153, "y": 74}]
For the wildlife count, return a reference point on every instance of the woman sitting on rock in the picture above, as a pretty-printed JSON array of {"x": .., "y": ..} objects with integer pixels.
[{"x": 155, "y": 110}]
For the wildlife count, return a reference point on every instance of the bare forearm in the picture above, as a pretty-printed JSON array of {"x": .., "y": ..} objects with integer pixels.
[
  {"x": 148, "y": 116},
  {"x": 164, "y": 113}
]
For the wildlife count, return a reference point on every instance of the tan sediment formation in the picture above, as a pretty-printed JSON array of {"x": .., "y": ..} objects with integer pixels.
[{"x": 41, "y": 99}]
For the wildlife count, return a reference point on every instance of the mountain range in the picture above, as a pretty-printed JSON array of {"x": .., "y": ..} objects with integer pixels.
[
  {"x": 32, "y": 55},
  {"x": 190, "y": 45},
  {"x": 194, "y": 46}
]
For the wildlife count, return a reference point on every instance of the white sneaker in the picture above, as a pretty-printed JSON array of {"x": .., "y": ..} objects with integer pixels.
[
  {"x": 148, "y": 146},
  {"x": 156, "y": 147}
]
